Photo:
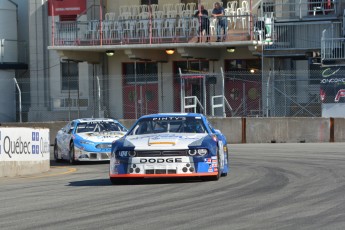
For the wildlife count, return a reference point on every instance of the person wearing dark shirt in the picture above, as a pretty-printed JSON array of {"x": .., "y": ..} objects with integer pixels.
[
  {"x": 204, "y": 23},
  {"x": 219, "y": 13}
]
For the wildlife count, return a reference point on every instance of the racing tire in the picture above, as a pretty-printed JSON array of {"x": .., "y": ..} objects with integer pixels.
[
  {"x": 56, "y": 153},
  {"x": 71, "y": 154},
  {"x": 227, "y": 165},
  {"x": 118, "y": 181}
]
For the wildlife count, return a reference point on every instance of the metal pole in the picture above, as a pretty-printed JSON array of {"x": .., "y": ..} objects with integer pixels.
[
  {"x": 267, "y": 95},
  {"x": 69, "y": 91},
  {"x": 162, "y": 96},
  {"x": 181, "y": 91},
  {"x": 93, "y": 90},
  {"x": 135, "y": 89},
  {"x": 20, "y": 100},
  {"x": 223, "y": 92},
  {"x": 99, "y": 97}
]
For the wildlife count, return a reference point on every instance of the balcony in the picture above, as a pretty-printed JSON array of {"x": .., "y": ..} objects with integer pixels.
[{"x": 148, "y": 31}]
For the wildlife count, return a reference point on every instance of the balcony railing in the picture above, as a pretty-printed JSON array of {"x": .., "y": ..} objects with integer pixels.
[
  {"x": 300, "y": 36},
  {"x": 333, "y": 47},
  {"x": 300, "y": 9},
  {"x": 148, "y": 31}
]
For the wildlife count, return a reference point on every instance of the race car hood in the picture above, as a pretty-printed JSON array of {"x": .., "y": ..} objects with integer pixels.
[
  {"x": 165, "y": 140},
  {"x": 107, "y": 137}
]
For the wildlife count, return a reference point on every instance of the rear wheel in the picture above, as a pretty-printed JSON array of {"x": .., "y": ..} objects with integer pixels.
[
  {"x": 56, "y": 153},
  {"x": 71, "y": 154}
]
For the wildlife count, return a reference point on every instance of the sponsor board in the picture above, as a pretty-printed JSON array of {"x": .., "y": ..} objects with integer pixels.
[{"x": 24, "y": 144}]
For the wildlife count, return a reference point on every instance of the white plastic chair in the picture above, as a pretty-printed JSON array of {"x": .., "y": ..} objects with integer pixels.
[
  {"x": 135, "y": 11},
  {"x": 241, "y": 16},
  {"x": 144, "y": 8},
  {"x": 213, "y": 21},
  {"x": 191, "y": 6},
  {"x": 124, "y": 9},
  {"x": 157, "y": 14},
  {"x": 154, "y": 7},
  {"x": 180, "y": 7},
  {"x": 157, "y": 28},
  {"x": 110, "y": 16},
  {"x": 143, "y": 24}
]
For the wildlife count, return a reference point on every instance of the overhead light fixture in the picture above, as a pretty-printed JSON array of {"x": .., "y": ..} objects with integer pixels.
[
  {"x": 110, "y": 52},
  {"x": 230, "y": 49},
  {"x": 170, "y": 51}
]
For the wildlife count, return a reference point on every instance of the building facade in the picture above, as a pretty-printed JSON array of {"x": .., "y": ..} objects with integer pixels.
[{"x": 110, "y": 58}]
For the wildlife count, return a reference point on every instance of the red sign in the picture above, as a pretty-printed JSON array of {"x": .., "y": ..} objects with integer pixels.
[{"x": 66, "y": 7}]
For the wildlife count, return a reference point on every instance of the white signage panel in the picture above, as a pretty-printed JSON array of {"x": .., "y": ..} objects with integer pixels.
[{"x": 24, "y": 144}]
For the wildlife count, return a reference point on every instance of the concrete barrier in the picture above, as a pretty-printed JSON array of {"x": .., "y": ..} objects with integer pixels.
[
  {"x": 287, "y": 130},
  {"x": 24, "y": 151},
  {"x": 250, "y": 129}
]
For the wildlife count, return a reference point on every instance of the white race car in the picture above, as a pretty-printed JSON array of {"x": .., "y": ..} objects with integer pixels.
[
  {"x": 170, "y": 145},
  {"x": 87, "y": 139}
]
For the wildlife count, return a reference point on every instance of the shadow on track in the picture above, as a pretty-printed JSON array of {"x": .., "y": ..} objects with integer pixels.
[{"x": 106, "y": 182}]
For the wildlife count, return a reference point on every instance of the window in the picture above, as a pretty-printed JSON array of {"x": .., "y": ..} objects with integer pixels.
[
  {"x": 69, "y": 76},
  {"x": 140, "y": 72},
  {"x": 147, "y": 2}
]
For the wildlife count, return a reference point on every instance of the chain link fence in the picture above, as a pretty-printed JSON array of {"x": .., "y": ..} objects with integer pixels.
[{"x": 245, "y": 94}]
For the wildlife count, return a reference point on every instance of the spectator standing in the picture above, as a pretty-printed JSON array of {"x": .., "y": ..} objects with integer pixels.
[
  {"x": 204, "y": 23},
  {"x": 219, "y": 13}
]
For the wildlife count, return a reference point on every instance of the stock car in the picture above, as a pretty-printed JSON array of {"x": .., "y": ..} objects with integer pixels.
[
  {"x": 169, "y": 145},
  {"x": 87, "y": 139}
]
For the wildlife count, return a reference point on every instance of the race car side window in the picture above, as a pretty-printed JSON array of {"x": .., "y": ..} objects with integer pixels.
[{"x": 71, "y": 127}]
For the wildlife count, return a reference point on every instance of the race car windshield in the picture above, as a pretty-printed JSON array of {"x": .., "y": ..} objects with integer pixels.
[
  {"x": 99, "y": 127},
  {"x": 176, "y": 125}
]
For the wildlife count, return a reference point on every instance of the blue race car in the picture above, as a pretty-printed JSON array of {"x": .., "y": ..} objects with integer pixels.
[
  {"x": 170, "y": 145},
  {"x": 87, "y": 139}
]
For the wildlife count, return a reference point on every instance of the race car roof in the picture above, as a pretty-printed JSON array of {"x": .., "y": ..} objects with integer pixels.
[
  {"x": 83, "y": 120},
  {"x": 173, "y": 114}
]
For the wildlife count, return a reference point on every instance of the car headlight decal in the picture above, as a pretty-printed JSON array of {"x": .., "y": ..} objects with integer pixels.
[{"x": 198, "y": 152}]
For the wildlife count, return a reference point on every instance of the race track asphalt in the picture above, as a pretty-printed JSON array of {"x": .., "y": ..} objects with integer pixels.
[{"x": 270, "y": 186}]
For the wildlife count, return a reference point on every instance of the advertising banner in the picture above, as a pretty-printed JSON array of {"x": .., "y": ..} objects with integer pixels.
[
  {"x": 24, "y": 144},
  {"x": 332, "y": 92},
  {"x": 66, "y": 7},
  {"x": 332, "y": 85}
]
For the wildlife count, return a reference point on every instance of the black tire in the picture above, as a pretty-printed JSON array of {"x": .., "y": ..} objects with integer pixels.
[
  {"x": 118, "y": 181},
  {"x": 227, "y": 160},
  {"x": 71, "y": 154},
  {"x": 56, "y": 153}
]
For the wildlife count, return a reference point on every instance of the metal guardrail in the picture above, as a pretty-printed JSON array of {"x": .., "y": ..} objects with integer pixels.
[{"x": 302, "y": 35}]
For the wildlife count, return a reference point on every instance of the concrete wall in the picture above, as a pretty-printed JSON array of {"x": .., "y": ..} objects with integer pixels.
[
  {"x": 250, "y": 130},
  {"x": 17, "y": 168}
]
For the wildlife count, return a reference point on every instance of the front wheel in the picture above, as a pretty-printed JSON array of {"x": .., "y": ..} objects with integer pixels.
[{"x": 71, "y": 154}]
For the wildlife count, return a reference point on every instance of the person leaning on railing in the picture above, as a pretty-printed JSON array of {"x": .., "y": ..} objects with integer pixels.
[
  {"x": 202, "y": 14},
  {"x": 219, "y": 13}
]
